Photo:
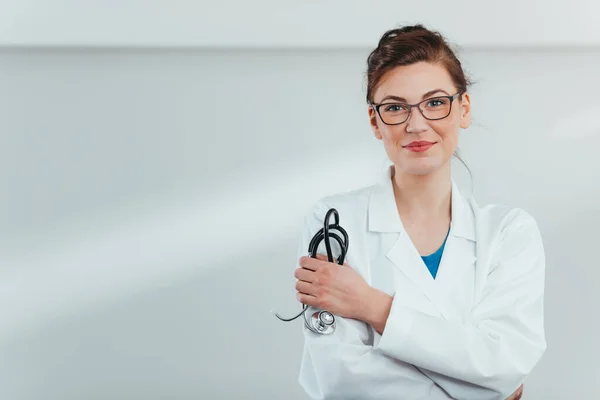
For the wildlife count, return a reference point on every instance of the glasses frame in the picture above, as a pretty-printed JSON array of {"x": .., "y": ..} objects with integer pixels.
[{"x": 410, "y": 107}]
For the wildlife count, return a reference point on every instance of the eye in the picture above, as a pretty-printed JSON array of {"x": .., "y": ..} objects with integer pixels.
[
  {"x": 436, "y": 102},
  {"x": 394, "y": 108}
]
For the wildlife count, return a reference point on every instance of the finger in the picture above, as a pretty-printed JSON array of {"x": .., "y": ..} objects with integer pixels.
[
  {"x": 324, "y": 257},
  {"x": 304, "y": 274},
  {"x": 309, "y": 263},
  {"x": 520, "y": 393},
  {"x": 307, "y": 299},
  {"x": 305, "y": 288},
  {"x": 517, "y": 394}
]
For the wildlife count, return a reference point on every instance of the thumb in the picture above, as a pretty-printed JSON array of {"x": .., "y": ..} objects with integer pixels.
[{"x": 323, "y": 257}]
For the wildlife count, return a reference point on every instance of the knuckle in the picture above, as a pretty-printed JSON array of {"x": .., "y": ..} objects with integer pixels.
[
  {"x": 322, "y": 292},
  {"x": 324, "y": 278},
  {"x": 324, "y": 302}
]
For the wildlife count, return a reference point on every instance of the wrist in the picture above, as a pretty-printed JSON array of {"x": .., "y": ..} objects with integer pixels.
[{"x": 376, "y": 308}]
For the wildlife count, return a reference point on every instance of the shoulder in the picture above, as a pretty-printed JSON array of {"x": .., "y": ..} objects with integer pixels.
[
  {"x": 502, "y": 218},
  {"x": 505, "y": 231},
  {"x": 353, "y": 202}
]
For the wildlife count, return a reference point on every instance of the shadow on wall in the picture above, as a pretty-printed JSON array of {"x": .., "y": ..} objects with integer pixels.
[{"x": 208, "y": 335}]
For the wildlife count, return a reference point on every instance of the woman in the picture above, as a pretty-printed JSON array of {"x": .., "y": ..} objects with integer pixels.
[{"x": 439, "y": 297}]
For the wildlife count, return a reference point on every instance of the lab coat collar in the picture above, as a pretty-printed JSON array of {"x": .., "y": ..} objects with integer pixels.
[{"x": 383, "y": 214}]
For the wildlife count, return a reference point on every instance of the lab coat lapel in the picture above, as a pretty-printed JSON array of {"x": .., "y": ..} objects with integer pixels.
[
  {"x": 406, "y": 258},
  {"x": 458, "y": 253},
  {"x": 384, "y": 218},
  {"x": 455, "y": 278}
]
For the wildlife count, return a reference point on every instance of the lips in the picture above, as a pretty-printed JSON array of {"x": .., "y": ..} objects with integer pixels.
[
  {"x": 419, "y": 143},
  {"x": 419, "y": 146}
]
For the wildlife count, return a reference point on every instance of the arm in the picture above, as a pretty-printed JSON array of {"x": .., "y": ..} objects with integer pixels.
[
  {"x": 344, "y": 366},
  {"x": 504, "y": 339}
]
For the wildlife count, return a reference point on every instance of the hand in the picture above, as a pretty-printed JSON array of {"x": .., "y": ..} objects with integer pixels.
[
  {"x": 332, "y": 287},
  {"x": 517, "y": 394}
]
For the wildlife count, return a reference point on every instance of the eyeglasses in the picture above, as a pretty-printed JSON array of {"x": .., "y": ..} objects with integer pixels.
[{"x": 434, "y": 108}]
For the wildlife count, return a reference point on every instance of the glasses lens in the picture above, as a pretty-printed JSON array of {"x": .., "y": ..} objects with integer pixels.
[
  {"x": 436, "y": 108},
  {"x": 393, "y": 113}
]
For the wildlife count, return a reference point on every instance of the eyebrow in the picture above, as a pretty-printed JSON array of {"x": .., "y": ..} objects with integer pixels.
[{"x": 402, "y": 99}]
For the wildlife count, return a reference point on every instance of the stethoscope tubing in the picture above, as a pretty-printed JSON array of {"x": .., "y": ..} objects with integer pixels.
[{"x": 325, "y": 318}]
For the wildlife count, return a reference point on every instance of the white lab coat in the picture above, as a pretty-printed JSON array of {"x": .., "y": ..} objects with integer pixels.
[{"x": 474, "y": 332}]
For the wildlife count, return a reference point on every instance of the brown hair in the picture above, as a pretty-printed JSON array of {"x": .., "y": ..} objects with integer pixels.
[{"x": 409, "y": 45}]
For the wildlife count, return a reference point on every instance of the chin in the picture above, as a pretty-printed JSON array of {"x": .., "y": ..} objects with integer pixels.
[
  {"x": 420, "y": 167},
  {"x": 421, "y": 172}
]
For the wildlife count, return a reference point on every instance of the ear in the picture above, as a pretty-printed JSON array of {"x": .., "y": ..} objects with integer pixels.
[
  {"x": 373, "y": 122},
  {"x": 465, "y": 111}
]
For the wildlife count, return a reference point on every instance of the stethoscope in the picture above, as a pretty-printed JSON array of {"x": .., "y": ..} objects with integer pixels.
[{"x": 323, "y": 322}]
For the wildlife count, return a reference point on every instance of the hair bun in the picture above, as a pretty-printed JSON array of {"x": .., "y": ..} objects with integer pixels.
[
  {"x": 412, "y": 28},
  {"x": 406, "y": 45},
  {"x": 392, "y": 33}
]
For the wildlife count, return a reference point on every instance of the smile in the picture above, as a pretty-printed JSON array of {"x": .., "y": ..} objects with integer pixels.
[{"x": 419, "y": 147}]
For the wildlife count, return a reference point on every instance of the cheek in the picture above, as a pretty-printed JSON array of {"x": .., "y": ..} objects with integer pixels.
[
  {"x": 391, "y": 133},
  {"x": 448, "y": 132}
]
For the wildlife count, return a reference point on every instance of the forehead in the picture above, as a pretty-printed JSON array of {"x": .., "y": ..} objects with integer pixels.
[{"x": 412, "y": 81}]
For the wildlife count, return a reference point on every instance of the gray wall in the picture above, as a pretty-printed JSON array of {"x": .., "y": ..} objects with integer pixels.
[{"x": 152, "y": 199}]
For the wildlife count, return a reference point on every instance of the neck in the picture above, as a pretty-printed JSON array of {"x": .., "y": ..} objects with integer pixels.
[{"x": 423, "y": 196}]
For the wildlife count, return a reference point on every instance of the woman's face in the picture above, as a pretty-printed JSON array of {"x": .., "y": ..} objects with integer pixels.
[{"x": 411, "y": 84}]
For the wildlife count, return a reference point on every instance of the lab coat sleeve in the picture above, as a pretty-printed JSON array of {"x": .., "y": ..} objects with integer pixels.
[
  {"x": 343, "y": 365},
  {"x": 504, "y": 339}
]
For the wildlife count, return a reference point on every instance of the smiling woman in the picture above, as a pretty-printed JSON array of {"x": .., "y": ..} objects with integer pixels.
[{"x": 439, "y": 297}]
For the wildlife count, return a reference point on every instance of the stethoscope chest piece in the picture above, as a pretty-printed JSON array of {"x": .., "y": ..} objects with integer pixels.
[{"x": 323, "y": 322}]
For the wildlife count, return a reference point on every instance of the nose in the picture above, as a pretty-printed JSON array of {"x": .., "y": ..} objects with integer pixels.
[{"x": 416, "y": 121}]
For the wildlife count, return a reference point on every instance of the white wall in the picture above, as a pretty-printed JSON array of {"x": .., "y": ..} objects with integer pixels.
[
  {"x": 292, "y": 24},
  {"x": 152, "y": 203},
  {"x": 152, "y": 199}
]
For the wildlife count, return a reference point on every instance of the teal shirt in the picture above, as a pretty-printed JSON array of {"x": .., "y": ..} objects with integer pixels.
[{"x": 433, "y": 260}]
